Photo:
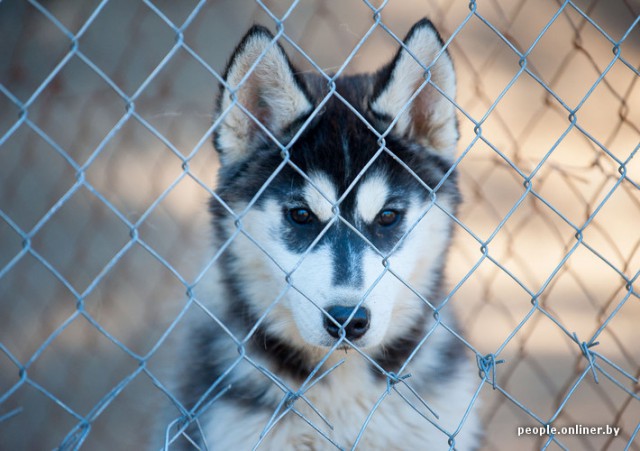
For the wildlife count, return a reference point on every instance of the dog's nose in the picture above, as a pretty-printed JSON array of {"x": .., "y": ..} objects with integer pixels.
[{"x": 355, "y": 329}]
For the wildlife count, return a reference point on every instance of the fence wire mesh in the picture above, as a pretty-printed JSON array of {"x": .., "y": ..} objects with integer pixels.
[{"x": 106, "y": 166}]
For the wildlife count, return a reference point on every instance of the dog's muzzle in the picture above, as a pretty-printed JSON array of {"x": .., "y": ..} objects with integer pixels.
[{"x": 354, "y": 329}]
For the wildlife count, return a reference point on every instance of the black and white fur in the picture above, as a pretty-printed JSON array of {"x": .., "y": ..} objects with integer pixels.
[{"x": 308, "y": 249}]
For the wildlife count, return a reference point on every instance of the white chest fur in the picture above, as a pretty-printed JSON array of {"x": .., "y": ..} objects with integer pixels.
[{"x": 345, "y": 400}]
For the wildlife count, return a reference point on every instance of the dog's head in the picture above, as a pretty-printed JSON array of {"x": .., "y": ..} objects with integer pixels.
[{"x": 336, "y": 194}]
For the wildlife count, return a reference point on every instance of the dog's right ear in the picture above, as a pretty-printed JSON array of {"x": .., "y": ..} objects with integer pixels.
[{"x": 261, "y": 78}]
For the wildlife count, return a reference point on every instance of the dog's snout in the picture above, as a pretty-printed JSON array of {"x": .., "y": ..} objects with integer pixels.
[{"x": 354, "y": 329}]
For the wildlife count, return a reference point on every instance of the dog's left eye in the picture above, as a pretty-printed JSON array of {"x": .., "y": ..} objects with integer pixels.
[
  {"x": 388, "y": 218},
  {"x": 300, "y": 216}
]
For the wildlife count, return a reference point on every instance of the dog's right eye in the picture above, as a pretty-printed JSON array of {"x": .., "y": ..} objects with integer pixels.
[{"x": 300, "y": 216}]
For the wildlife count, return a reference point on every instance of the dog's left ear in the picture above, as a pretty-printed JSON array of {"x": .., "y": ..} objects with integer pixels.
[{"x": 430, "y": 117}]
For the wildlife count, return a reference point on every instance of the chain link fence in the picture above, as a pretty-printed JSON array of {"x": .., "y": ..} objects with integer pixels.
[{"x": 106, "y": 167}]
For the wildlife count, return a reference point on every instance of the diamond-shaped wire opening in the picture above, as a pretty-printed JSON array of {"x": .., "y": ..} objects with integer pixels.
[
  {"x": 182, "y": 215},
  {"x": 83, "y": 89},
  {"x": 137, "y": 314},
  {"x": 315, "y": 21},
  {"x": 94, "y": 378},
  {"x": 49, "y": 178},
  {"x": 532, "y": 242},
  {"x": 522, "y": 108},
  {"x": 580, "y": 291},
  {"x": 68, "y": 239},
  {"x": 487, "y": 176},
  {"x": 53, "y": 305},
  {"x": 608, "y": 108},
  {"x": 537, "y": 355},
  {"x": 176, "y": 111},
  {"x": 587, "y": 42},
  {"x": 123, "y": 56},
  {"x": 489, "y": 296},
  {"x": 133, "y": 170}
]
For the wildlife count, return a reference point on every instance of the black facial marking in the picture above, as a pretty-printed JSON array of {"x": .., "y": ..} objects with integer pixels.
[
  {"x": 347, "y": 249},
  {"x": 297, "y": 237},
  {"x": 287, "y": 359}
]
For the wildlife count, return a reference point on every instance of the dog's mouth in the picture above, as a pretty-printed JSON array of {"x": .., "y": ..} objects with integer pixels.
[
  {"x": 348, "y": 346},
  {"x": 339, "y": 345}
]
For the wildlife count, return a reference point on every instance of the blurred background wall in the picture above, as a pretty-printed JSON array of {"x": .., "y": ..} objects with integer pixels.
[{"x": 95, "y": 132}]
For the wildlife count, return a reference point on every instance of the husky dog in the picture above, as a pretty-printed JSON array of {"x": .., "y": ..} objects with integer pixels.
[{"x": 325, "y": 326}]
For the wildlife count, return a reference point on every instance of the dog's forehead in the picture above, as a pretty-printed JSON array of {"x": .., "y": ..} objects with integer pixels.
[
  {"x": 338, "y": 140},
  {"x": 371, "y": 196},
  {"x": 365, "y": 199},
  {"x": 321, "y": 195}
]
